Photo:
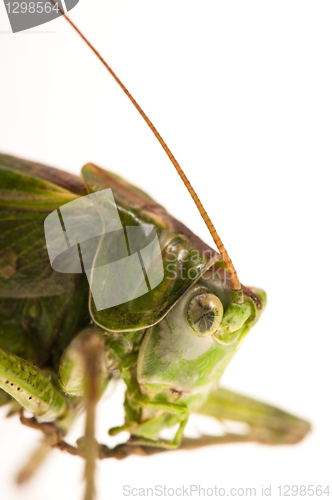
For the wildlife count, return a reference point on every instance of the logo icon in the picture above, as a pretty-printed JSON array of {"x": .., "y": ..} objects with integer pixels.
[
  {"x": 121, "y": 262},
  {"x": 28, "y": 14}
]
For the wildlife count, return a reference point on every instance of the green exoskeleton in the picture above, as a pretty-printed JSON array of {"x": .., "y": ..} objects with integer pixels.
[{"x": 170, "y": 345}]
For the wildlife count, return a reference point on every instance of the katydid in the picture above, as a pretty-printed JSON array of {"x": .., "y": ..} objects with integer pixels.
[{"x": 58, "y": 351}]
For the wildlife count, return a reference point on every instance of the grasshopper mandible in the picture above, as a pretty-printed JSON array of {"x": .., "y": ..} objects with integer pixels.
[{"x": 170, "y": 346}]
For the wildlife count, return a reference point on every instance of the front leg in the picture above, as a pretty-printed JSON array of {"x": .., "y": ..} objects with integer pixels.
[
  {"x": 162, "y": 414},
  {"x": 138, "y": 429}
]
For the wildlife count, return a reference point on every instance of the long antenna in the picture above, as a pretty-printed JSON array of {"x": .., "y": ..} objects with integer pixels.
[{"x": 236, "y": 285}]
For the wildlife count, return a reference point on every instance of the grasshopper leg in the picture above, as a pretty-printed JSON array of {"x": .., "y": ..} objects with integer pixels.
[
  {"x": 141, "y": 431},
  {"x": 161, "y": 443},
  {"x": 92, "y": 351},
  {"x": 72, "y": 369},
  {"x": 35, "y": 460},
  {"x": 52, "y": 435},
  {"x": 138, "y": 430},
  {"x": 54, "y": 432},
  {"x": 31, "y": 388},
  {"x": 267, "y": 424}
]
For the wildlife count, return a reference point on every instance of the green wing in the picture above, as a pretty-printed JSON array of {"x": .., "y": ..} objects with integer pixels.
[
  {"x": 40, "y": 309},
  {"x": 185, "y": 257}
]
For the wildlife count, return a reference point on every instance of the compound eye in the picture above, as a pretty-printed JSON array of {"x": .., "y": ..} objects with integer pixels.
[{"x": 204, "y": 314}]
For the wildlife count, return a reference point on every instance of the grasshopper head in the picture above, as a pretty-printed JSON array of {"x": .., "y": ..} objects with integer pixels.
[
  {"x": 213, "y": 311},
  {"x": 184, "y": 355}
]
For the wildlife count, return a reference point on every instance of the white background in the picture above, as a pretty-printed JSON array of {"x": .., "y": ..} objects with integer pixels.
[{"x": 241, "y": 92}]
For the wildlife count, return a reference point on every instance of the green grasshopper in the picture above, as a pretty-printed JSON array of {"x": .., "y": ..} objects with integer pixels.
[{"x": 58, "y": 351}]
